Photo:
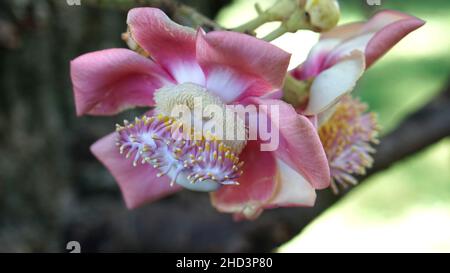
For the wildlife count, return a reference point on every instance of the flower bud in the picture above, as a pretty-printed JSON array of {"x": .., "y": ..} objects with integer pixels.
[
  {"x": 322, "y": 15},
  {"x": 315, "y": 15}
]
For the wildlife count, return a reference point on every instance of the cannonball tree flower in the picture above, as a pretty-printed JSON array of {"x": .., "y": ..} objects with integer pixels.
[
  {"x": 178, "y": 65},
  {"x": 338, "y": 60},
  {"x": 330, "y": 73},
  {"x": 348, "y": 136}
]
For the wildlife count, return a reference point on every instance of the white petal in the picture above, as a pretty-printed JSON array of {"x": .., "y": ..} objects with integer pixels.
[
  {"x": 325, "y": 115},
  {"x": 294, "y": 189},
  {"x": 336, "y": 81},
  {"x": 225, "y": 84},
  {"x": 346, "y": 48},
  {"x": 188, "y": 72}
]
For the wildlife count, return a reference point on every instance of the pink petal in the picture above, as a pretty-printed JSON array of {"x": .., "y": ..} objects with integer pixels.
[
  {"x": 276, "y": 95},
  {"x": 333, "y": 83},
  {"x": 109, "y": 81},
  {"x": 391, "y": 34},
  {"x": 169, "y": 44},
  {"x": 238, "y": 65},
  {"x": 138, "y": 184},
  {"x": 299, "y": 143},
  {"x": 343, "y": 32},
  {"x": 257, "y": 184},
  {"x": 294, "y": 190},
  {"x": 315, "y": 62},
  {"x": 374, "y": 38}
]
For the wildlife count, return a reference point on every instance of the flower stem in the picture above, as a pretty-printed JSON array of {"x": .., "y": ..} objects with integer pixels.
[
  {"x": 276, "y": 33},
  {"x": 253, "y": 24}
]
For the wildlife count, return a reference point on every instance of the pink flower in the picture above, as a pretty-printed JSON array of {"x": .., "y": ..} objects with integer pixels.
[
  {"x": 340, "y": 57},
  {"x": 347, "y": 137},
  {"x": 330, "y": 72},
  {"x": 222, "y": 66}
]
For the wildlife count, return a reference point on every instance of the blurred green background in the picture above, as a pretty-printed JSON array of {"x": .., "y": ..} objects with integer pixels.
[{"x": 407, "y": 207}]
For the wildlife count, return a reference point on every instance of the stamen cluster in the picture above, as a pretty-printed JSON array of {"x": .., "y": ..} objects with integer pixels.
[
  {"x": 347, "y": 137},
  {"x": 161, "y": 142}
]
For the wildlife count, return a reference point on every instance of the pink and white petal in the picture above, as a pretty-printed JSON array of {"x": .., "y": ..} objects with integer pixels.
[
  {"x": 299, "y": 144},
  {"x": 188, "y": 72},
  {"x": 315, "y": 61},
  {"x": 139, "y": 185},
  {"x": 243, "y": 59},
  {"x": 390, "y": 35},
  {"x": 276, "y": 95},
  {"x": 294, "y": 190},
  {"x": 375, "y": 37},
  {"x": 168, "y": 43},
  {"x": 314, "y": 120},
  {"x": 385, "y": 18},
  {"x": 330, "y": 85},
  {"x": 258, "y": 184},
  {"x": 227, "y": 84},
  {"x": 343, "y": 32},
  {"x": 343, "y": 50},
  {"x": 317, "y": 58},
  {"x": 109, "y": 81},
  {"x": 324, "y": 116}
]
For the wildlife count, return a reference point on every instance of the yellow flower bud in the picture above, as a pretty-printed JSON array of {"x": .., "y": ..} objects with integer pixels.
[
  {"x": 315, "y": 15},
  {"x": 323, "y": 15}
]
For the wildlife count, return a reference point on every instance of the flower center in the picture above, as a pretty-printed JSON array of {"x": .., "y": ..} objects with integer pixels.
[
  {"x": 197, "y": 162},
  {"x": 204, "y": 111}
]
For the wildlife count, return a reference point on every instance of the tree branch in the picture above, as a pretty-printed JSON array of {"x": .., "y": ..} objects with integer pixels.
[
  {"x": 180, "y": 13},
  {"x": 421, "y": 129}
]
